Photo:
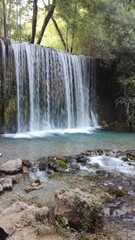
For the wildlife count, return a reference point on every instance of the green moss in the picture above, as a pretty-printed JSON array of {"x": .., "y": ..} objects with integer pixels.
[
  {"x": 118, "y": 192},
  {"x": 10, "y": 111},
  {"x": 62, "y": 164},
  {"x": 91, "y": 220}
]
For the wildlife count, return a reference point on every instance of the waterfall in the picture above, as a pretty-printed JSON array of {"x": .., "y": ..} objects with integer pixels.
[{"x": 53, "y": 90}]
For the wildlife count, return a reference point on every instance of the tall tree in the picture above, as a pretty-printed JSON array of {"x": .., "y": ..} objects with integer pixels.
[
  {"x": 74, "y": 28},
  {"x": 56, "y": 27},
  {"x": 4, "y": 19},
  {"x": 34, "y": 21},
  {"x": 45, "y": 23},
  {"x": 59, "y": 32}
]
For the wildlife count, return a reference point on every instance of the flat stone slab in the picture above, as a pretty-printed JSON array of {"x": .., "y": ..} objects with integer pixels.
[{"x": 12, "y": 166}]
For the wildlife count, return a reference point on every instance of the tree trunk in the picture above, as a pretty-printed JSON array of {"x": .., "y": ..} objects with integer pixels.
[
  {"x": 57, "y": 27},
  {"x": 46, "y": 21},
  {"x": 67, "y": 49},
  {"x": 59, "y": 32},
  {"x": 34, "y": 21},
  {"x": 73, "y": 33},
  {"x": 8, "y": 17},
  {"x": 4, "y": 19}
]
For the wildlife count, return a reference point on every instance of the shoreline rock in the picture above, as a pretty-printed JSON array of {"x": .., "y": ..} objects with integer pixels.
[
  {"x": 111, "y": 194},
  {"x": 12, "y": 166}
]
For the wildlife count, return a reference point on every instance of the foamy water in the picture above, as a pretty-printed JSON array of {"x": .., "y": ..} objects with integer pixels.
[
  {"x": 110, "y": 164},
  {"x": 50, "y": 132}
]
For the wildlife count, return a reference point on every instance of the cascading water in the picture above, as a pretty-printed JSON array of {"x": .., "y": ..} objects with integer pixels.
[{"x": 54, "y": 90}]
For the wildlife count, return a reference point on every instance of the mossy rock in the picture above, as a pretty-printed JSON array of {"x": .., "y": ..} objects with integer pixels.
[
  {"x": 62, "y": 164},
  {"x": 10, "y": 112},
  {"x": 132, "y": 157},
  {"x": 118, "y": 192},
  {"x": 130, "y": 154},
  {"x": 92, "y": 220},
  {"x": 82, "y": 210}
]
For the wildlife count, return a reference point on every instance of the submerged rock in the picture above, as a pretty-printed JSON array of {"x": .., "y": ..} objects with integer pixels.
[
  {"x": 82, "y": 210},
  {"x": 12, "y": 166}
]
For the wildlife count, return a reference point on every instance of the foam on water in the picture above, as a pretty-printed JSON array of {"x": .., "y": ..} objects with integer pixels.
[
  {"x": 50, "y": 132},
  {"x": 34, "y": 175},
  {"x": 112, "y": 164},
  {"x": 84, "y": 168}
]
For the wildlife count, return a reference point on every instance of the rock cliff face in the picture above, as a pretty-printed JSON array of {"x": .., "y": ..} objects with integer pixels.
[
  {"x": 108, "y": 90},
  {"x": 8, "y": 104}
]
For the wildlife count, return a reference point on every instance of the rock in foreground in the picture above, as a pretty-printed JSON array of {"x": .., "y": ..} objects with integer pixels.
[
  {"x": 12, "y": 166},
  {"x": 81, "y": 210}
]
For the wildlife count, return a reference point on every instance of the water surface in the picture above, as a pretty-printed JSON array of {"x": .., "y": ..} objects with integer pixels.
[{"x": 57, "y": 143}]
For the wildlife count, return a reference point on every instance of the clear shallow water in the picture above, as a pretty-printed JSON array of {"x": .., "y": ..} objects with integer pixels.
[{"x": 62, "y": 143}]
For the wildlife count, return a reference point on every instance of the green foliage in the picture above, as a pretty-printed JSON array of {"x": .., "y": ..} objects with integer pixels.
[
  {"x": 91, "y": 220},
  {"x": 99, "y": 28},
  {"x": 107, "y": 28},
  {"x": 64, "y": 229},
  {"x": 126, "y": 76}
]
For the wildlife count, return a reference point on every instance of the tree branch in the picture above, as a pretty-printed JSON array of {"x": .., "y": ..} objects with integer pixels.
[
  {"x": 59, "y": 32},
  {"x": 45, "y": 23}
]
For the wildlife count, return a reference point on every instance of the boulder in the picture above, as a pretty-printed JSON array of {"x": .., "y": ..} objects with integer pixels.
[
  {"x": 6, "y": 183},
  {"x": 81, "y": 210},
  {"x": 73, "y": 165},
  {"x": 26, "y": 165},
  {"x": 19, "y": 215},
  {"x": 52, "y": 163},
  {"x": 12, "y": 166},
  {"x": 41, "y": 214}
]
